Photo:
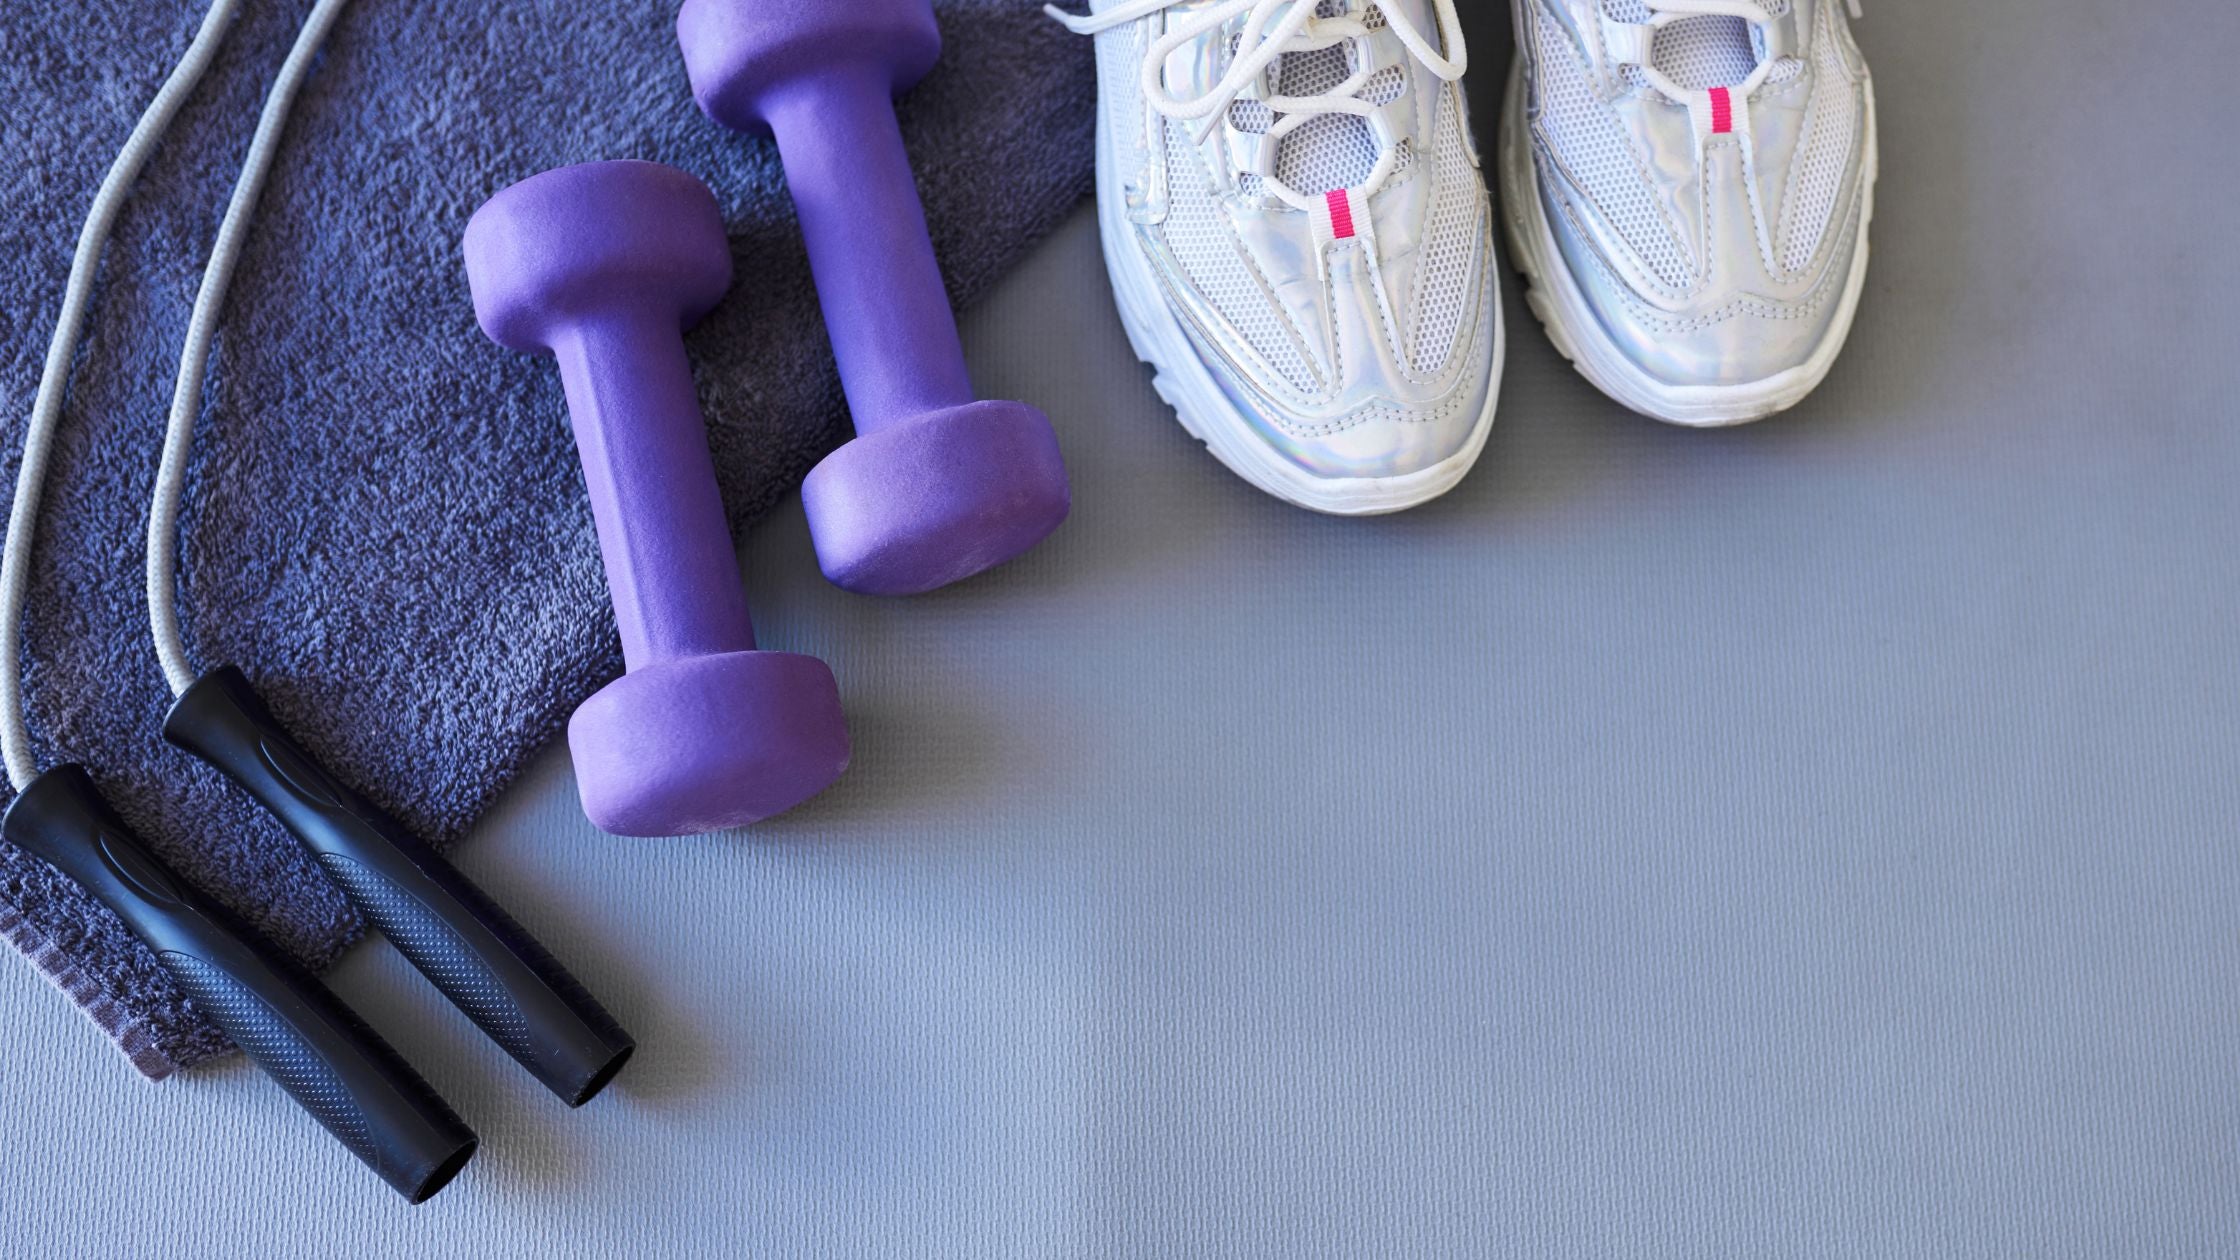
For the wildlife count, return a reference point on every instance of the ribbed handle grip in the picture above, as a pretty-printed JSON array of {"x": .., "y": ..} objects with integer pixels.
[
  {"x": 487, "y": 964},
  {"x": 292, "y": 1026}
]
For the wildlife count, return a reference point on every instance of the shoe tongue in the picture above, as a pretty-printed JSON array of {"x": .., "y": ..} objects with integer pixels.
[
  {"x": 1328, "y": 151},
  {"x": 1699, "y": 52}
]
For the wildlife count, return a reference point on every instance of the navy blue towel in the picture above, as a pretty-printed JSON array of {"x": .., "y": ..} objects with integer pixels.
[{"x": 386, "y": 524}]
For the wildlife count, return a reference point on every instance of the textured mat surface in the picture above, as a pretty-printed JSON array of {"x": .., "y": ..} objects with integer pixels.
[{"x": 386, "y": 523}]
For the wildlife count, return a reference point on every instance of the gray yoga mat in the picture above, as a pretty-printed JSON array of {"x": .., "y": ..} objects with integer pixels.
[{"x": 385, "y": 521}]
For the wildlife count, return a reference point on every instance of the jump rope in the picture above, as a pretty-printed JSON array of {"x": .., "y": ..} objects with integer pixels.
[{"x": 289, "y": 1023}]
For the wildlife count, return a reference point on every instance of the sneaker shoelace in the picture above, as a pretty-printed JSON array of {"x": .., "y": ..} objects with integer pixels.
[
  {"x": 1665, "y": 13},
  {"x": 1273, "y": 29}
]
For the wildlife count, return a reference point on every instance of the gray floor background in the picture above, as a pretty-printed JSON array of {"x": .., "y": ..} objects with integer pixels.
[{"x": 1817, "y": 839}]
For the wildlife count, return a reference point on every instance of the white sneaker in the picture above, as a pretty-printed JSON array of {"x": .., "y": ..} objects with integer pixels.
[
  {"x": 1687, "y": 186},
  {"x": 1300, "y": 237}
]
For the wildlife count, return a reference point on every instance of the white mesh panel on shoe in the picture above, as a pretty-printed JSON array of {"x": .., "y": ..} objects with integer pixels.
[
  {"x": 1695, "y": 52},
  {"x": 1593, "y": 147},
  {"x": 1206, "y": 248},
  {"x": 1816, "y": 182},
  {"x": 1118, "y": 61},
  {"x": 1329, "y": 150},
  {"x": 1384, "y": 87},
  {"x": 1706, "y": 52},
  {"x": 1445, "y": 288}
]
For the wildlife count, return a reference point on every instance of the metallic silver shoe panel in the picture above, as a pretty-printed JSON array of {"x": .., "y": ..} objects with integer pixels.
[
  {"x": 1371, "y": 427},
  {"x": 1362, "y": 407},
  {"x": 1735, "y": 314},
  {"x": 1745, "y": 336}
]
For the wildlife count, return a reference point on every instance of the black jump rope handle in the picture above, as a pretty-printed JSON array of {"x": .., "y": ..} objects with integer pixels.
[
  {"x": 487, "y": 964},
  {"x": 297, "y": 1030}
]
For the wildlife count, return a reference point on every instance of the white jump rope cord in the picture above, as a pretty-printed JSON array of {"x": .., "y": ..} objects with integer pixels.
[
  {"x": 194, "y": 361},
  {"x": 38, "y": 442},
  {"x": 46, "y": 410}
]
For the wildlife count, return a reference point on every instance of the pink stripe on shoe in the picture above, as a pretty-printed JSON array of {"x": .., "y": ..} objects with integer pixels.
[
  {"x": 1341, "y": 213},
  {"x": 1722, "y": 111}
]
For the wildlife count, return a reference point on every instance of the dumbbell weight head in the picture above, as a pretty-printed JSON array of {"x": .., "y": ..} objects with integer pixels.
[
  {"x": 604, "y": 266},
  {"x": 915, "y": 506},
  {"x": 583, "y": 242},
  {"x": 936, "y": 486},
  {"x": 708, "y": 743}
]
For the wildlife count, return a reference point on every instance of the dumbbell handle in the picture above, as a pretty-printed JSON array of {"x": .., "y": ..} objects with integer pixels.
[
  {"x": 662, "y": 528},
  {"x": 893, "y": 332}
]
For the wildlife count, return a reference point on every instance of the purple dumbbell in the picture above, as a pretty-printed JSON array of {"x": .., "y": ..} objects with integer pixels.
[
  {"x": 604, "y": 266},
  {"x": 936, "y": 486}
]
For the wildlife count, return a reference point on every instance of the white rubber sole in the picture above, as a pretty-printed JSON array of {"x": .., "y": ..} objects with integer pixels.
[
  {"x": 1562, "y": 309},
  {"x": 1188, "y": 385}
]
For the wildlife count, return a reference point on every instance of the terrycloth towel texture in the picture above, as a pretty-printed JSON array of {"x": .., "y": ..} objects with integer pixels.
[{"x": 386, "y": 523}]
